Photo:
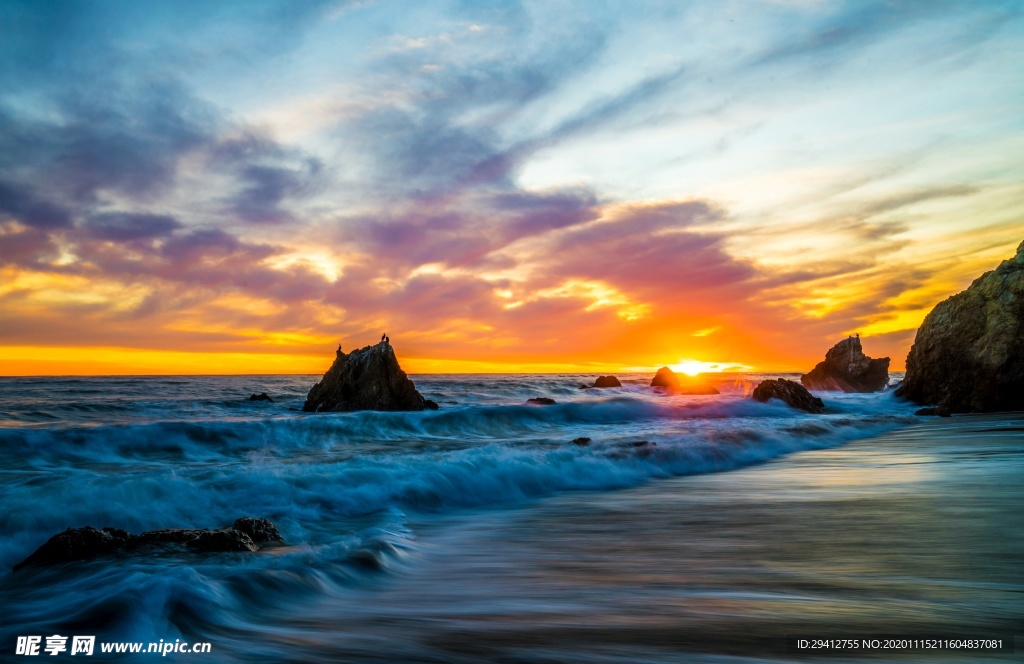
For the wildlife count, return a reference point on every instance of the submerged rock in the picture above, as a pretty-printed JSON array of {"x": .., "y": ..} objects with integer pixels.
[
  {"x": 667, "y": 379},
  {"x": 847, "y": 368},
  {"x": 582, "y": 440},
  {"x": 88, "y": 542},
  {"x": 262, "y": 396},
  {"x": 968, "y": 356},
  {"x": 792, "y": 393},
  {"x": 607, "y": 381},
  {"x": 541, "y": 401},
  {"x": 365, "y": 379}
]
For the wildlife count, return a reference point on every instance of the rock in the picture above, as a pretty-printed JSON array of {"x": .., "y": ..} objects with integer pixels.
[
  {"x": 260, "y": 530},
  {"x": 228, "y": 539},
  {"x": 365, "y": 379},
  {"x": 582, "y": 440},
  {"x": 792, "y": 393},
  {"x": 77, "y": 544},
  {"x": 541, "y": 401},
  {"x": 666, "y": 379},
  {"x": 430, "y": 405},
  {"x": 88, "y": 542},
  {"x": 847, "y": 368},
  {"x": 968, "y": 356},
  {"x": 262, "y": 396},
  {"x": 607, "y": 381}
]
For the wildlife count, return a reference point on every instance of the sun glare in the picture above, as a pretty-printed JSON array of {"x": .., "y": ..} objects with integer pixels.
[{"x": 694, "y": 367}]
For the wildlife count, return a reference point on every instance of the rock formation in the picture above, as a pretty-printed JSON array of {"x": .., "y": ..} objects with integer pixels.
[
  {"x": 607, "y": 381},
  {"x": 792, "y": 393},
  {"x": 365, "y": 379},
  {"x": 262, "y": 396},
  {"x": 847, "y": 368},
  {"x": 88, "y": 542},
  {"x": 540, "y": 401},
  {"x": 968, "y": 356},
  {"x": 666, "y": 379}
]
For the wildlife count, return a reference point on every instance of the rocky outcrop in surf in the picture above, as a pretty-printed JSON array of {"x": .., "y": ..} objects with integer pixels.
[
  {"x": 968, "y": 356},
  {"x": 667, "y": 380},
  {"x": 791, "y": 393},
  {"x": 847, "y": 368},
  {"x": 607, "y": 381},
  {"x": 366, "y": 379},
  {"x": 540, "y": 401},
  {"x": 245, "y": 534},
  {"x": 262, "y": 396}
]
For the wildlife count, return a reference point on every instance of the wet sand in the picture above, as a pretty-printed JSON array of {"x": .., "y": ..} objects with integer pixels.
[{"x": 913, "y": 533}]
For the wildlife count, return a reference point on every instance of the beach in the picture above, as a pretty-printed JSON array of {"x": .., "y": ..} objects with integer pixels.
[{"x": 431, "y": 537}]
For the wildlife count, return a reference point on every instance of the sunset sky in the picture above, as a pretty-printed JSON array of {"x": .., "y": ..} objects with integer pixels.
[{"x": 237, "y": 187}]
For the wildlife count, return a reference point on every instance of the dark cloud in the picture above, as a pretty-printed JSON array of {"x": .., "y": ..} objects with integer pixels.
[
  {"x": 20, "y": 203},
  {"x": 129, "y": 226}
]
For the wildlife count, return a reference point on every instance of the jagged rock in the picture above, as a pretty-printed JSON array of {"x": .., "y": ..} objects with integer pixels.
[
  {"x": 968, "y": 356},
  {"x": 666, "y": 379},
  {"x": 77, "y": 544},
  {"x": 262, "y": 396},
  {"x": 847, "y": 368},
  {"x": 260, "y": 530},
  {"x": 607, "y": 381},
  {"x": 541, "y": 401},
  {"x": 792, "y": 393},
  {"x": 365, "y": 379},
  {"x": 228, "y": 539},
  {"x": 88, "y": 542}
]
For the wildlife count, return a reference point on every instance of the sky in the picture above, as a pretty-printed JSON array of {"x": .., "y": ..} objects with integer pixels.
[{"x": 238, "y": 187}]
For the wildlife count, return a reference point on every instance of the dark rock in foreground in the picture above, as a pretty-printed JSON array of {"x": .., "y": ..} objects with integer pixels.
[
  {"x": 607, "y": 381},
  {"x": 88, "y": 542},
  {"x": 968, "y": 356},
  {"x": 666, "y": 379},
  {"x": 541, "y": 401},
  {"x": 792, "y": 393},
  {"x": 262, "y": 396},
  {"x": 847, "y": 368},
  {"x": 365, "y": 379}
]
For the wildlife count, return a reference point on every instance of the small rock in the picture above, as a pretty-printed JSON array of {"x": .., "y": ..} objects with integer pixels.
[
  {"x": 229, "y": 539},
  {"x": 607, "y": 381},
  {"x": 582, "y": 440},
  {"x": 666, "y": 379},
  {"x": 262, "y": 396},
  {"x": 793, "y": 394},
  {"x": 541, "y": 401},
  {"x": 429, "y": 404},
  {"x": 260, "y": 530}
]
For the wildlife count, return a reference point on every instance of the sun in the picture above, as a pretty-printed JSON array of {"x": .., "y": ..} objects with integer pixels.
[{"x": 694, "y": 367}]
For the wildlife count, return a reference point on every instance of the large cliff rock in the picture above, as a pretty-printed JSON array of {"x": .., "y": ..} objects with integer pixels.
[
  {"x": 366, "y": 379},
  {"x": 968, "y": 355},
  {"x": 792, "y": 394},
  {"x": 667, "y": 380},
  {"x": 847, "y": 368}
]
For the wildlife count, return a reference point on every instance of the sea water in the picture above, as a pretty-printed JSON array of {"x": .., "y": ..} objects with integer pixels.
[{"x": 706, "y": 526}]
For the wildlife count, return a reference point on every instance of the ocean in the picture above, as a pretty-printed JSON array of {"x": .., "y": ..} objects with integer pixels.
[{"x": 689, "y": 528}]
